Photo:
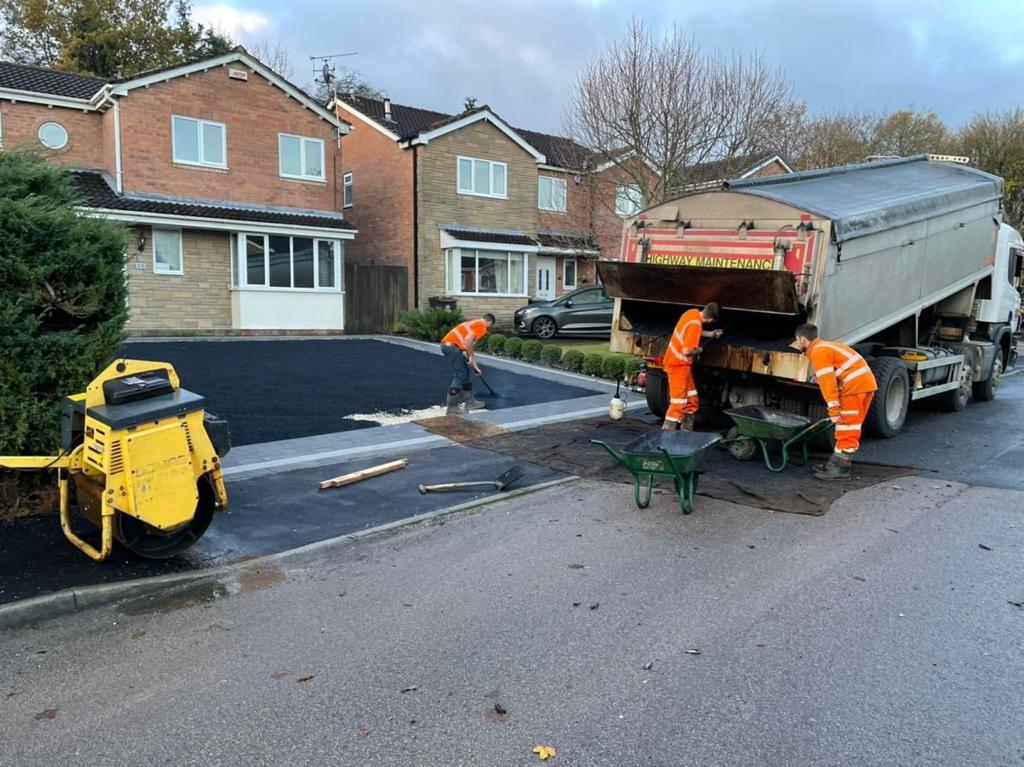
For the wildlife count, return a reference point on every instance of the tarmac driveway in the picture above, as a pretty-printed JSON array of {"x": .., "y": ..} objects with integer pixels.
[{"x": 282, "y": 389}]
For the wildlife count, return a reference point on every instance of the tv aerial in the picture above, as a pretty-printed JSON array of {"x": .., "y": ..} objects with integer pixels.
[{"x": 324, "y": 74}]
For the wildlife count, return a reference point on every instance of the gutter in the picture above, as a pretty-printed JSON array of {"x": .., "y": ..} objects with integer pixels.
[{"x": 108, "y": 98}]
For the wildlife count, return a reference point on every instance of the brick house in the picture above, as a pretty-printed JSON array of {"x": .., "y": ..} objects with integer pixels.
[
  {"x": 478, "y": 211},
  {"x": 227, "y": 175}
]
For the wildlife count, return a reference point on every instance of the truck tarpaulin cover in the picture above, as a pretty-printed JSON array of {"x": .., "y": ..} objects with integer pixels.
[{"x": 754, "y": 290}]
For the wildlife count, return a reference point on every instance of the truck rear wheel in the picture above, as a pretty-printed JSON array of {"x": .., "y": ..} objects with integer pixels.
[
  {"x": 957, "y": 399},
  {"x": 889, "y": 409},
  {"x": 985, "y": 391},
  {"x": 657, "y": 391}
]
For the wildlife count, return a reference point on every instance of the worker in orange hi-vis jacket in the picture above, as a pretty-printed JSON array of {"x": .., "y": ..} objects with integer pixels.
[
  {"x": 459, "y": 348},
  {"x": 683, "y": 348},
  {"x": 848, "y": 386}
]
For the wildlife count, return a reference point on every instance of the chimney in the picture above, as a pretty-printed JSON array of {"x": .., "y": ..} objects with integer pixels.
[{"x": 387, "y": 109}]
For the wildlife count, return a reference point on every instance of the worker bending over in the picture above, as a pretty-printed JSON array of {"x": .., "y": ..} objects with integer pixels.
[
  {"x": 459, "y": 348},
  {"x": 848, "y": 386},
  {"x": 683, "y": 348}
]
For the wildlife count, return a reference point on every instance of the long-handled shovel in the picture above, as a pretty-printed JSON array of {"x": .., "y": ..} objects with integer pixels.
[
  {"x": 501, "y": 483},
  {"x": 484, "y": 382}
]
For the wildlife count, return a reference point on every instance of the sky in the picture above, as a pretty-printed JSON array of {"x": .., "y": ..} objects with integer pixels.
[{"x": 521, "y": 56}]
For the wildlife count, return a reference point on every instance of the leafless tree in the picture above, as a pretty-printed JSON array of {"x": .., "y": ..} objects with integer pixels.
[
  {"x": 836, "y": 139},
  {"x": 995, "y": 143},
  {"x": 657, "y": 107},
  {"x": 906, "y": 133},
  {"x": 275, "y": 55}
]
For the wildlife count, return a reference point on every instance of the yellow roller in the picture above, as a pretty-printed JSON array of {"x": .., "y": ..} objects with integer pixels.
[{"x": 144, "y": 457}]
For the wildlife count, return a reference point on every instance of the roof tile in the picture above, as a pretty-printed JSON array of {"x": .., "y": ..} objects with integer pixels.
[{"x": 22, "y": 77}]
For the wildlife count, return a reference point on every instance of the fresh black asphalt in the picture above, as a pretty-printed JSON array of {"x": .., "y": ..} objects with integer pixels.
[
  {"x": 283, "y": 389},
  {"x": 265, "y": 515}
]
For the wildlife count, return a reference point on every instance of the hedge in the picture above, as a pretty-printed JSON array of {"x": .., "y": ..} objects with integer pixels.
[
  {"x": 592, "y": 363},
  {"x": 62, "y": 299},
  {"x": 532, "y": 350},
  {"x": 630, "y": 366},
  {"x": 551, "y": 355},
  {"x": 612, "y": 367},
  {"x": 513, "y": 346},
  {"x": 495, "y": 343},
  {"x": 431, "y": 324},
  {"x": 573, "y": 359}
]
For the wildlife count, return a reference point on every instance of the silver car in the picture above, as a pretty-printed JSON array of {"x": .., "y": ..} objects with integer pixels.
[{"x": 584, "y": 312}]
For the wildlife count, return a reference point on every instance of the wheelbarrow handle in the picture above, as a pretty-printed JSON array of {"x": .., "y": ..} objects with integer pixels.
[{"x": 614, "y": 454}]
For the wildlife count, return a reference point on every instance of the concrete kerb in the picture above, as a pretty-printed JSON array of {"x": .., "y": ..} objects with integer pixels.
[{"x": 48, "y": 606}]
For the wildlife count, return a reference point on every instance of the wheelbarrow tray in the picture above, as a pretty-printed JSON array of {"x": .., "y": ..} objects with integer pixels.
[
  {"x": 651, "y": 453},
  {"x": 760, "y": 422},
  {"x": 675, "y": 454}
]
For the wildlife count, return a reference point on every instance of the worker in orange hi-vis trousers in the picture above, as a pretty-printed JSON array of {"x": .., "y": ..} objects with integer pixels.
[
  {"x": 848, "y": 386},
  {"x": 683, "y": 347},
  {"x": 459, "y": 348}
]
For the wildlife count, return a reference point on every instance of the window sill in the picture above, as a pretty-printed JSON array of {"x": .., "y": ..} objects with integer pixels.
[
  {"x": 550, "y": 210},
  {"x": 199, "y": 166},
  {"x": 487, "y": 196},
  {"x": 490, "y": 295},
  {"x": 264, "y": 289},
  {"x": 303, "y": 180},
  {"x": 162, "y": 273}
]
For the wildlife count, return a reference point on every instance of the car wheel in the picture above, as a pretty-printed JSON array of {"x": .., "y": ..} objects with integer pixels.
[{"x": 544, "y": 327}]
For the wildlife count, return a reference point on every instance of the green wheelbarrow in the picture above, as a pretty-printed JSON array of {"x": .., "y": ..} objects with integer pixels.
[
  {"x": 758, "y": 425},
  {"x": 676, "y": 454}
]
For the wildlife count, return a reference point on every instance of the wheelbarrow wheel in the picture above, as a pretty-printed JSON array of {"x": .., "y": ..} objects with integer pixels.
[
  {"x": 645, "y": 501},
  {"x": 743, "y": 449}
]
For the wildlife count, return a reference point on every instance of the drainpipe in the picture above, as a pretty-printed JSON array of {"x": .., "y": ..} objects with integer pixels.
[
  {"x": 415, "y": 233},
  {"x": 118, "y": 175}
]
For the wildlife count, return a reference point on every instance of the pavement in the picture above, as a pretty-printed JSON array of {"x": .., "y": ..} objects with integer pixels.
[
  {"x": 887, "y": 632},
  {"x": 270, "y": 390}
]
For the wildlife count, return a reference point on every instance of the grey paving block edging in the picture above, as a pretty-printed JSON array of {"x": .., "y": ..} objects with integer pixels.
[{"x": 36, "y": 609}]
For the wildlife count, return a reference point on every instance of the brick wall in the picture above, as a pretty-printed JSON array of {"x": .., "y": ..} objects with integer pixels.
[
  {"x": 84, "y": 149},
  {"x": 382, "y": 207},
  {"x": 440, "y": 203},
  {"x": 254, "y": 113},
  {"x": 199, "y": 299}
]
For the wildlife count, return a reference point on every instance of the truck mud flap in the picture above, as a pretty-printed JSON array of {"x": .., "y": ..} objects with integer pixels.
[{"x": 771, "y": 292}]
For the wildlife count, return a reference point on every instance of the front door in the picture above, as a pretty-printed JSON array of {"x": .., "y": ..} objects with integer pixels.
[{"x": 545, "y": 277}]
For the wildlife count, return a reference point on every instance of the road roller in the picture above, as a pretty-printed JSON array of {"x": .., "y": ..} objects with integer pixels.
[{"x": 140, "y": 458}]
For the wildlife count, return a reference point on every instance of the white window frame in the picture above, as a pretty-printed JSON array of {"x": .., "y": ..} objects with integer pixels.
[
  {"x": 575, "y": 272},
  {"x": 347, "y": 196},
  {"x": 471, "y": 190},
  {"x": 202, "y": 163},
  {"x": 181, "y": 250},
  {"x": 638, "y": 202},
  {"x": 476, "y": 269},
  {"x": 302, "y": 158},
  {"x": 565, "y": 193},
  {"x": 39, "y": 136},
  {"x": 243, "y": 271}
]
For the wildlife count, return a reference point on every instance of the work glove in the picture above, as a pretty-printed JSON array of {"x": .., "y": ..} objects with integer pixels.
[{"x": 833, "y": 413}]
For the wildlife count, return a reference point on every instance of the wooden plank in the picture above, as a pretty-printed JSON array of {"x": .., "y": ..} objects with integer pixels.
[{"x": 356, "y": 476}]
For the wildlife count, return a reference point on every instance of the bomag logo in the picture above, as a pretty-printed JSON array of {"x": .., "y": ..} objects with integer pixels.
[{"x": 716, "y": 262}]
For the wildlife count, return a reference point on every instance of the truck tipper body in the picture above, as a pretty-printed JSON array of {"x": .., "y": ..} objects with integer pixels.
[{"x": 907, "y": 260}]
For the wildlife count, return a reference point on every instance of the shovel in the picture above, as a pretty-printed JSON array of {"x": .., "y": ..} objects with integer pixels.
[
  {"x": 484, "y": 382},
  {"x": 501, "y": 483}
]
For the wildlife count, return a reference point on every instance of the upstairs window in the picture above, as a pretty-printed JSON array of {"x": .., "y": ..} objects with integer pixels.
[
  {"x": 551, "y": 193},
  {"x": 628, "y": 200},
  {"x": 484, "y": 178},
  {"x": 346, "y": 186},
  {"x": 301, "y": 157},
  {"x": 199, "y": 142},
  {"x": 53, "y": 136}
]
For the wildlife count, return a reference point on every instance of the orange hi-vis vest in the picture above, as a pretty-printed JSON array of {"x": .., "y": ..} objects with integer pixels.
[
  {"x": 458, "y": 335},
  {"x": 839, "y": 371},
  {"x": 686, "y": 336}
]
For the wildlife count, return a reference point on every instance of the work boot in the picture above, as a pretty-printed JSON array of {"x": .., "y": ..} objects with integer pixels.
[
  {"x": 838, "y": 467},
  {"x": 687, "y": 423},
  {"x": 454, "y": 401},
  {"x": 470, "y": 402},
  {"x": 669, "y": 425}
]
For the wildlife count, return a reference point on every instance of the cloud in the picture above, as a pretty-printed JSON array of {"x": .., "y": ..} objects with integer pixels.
[{"x": 231, "y": 21}]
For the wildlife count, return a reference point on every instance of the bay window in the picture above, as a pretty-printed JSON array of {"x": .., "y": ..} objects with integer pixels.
[
  {"x": 287, "y": 263},
  {"x": 486, "y": 272}
]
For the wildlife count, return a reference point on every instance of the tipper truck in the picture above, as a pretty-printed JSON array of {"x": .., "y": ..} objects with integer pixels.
[{"x": 906, "y": 260}]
